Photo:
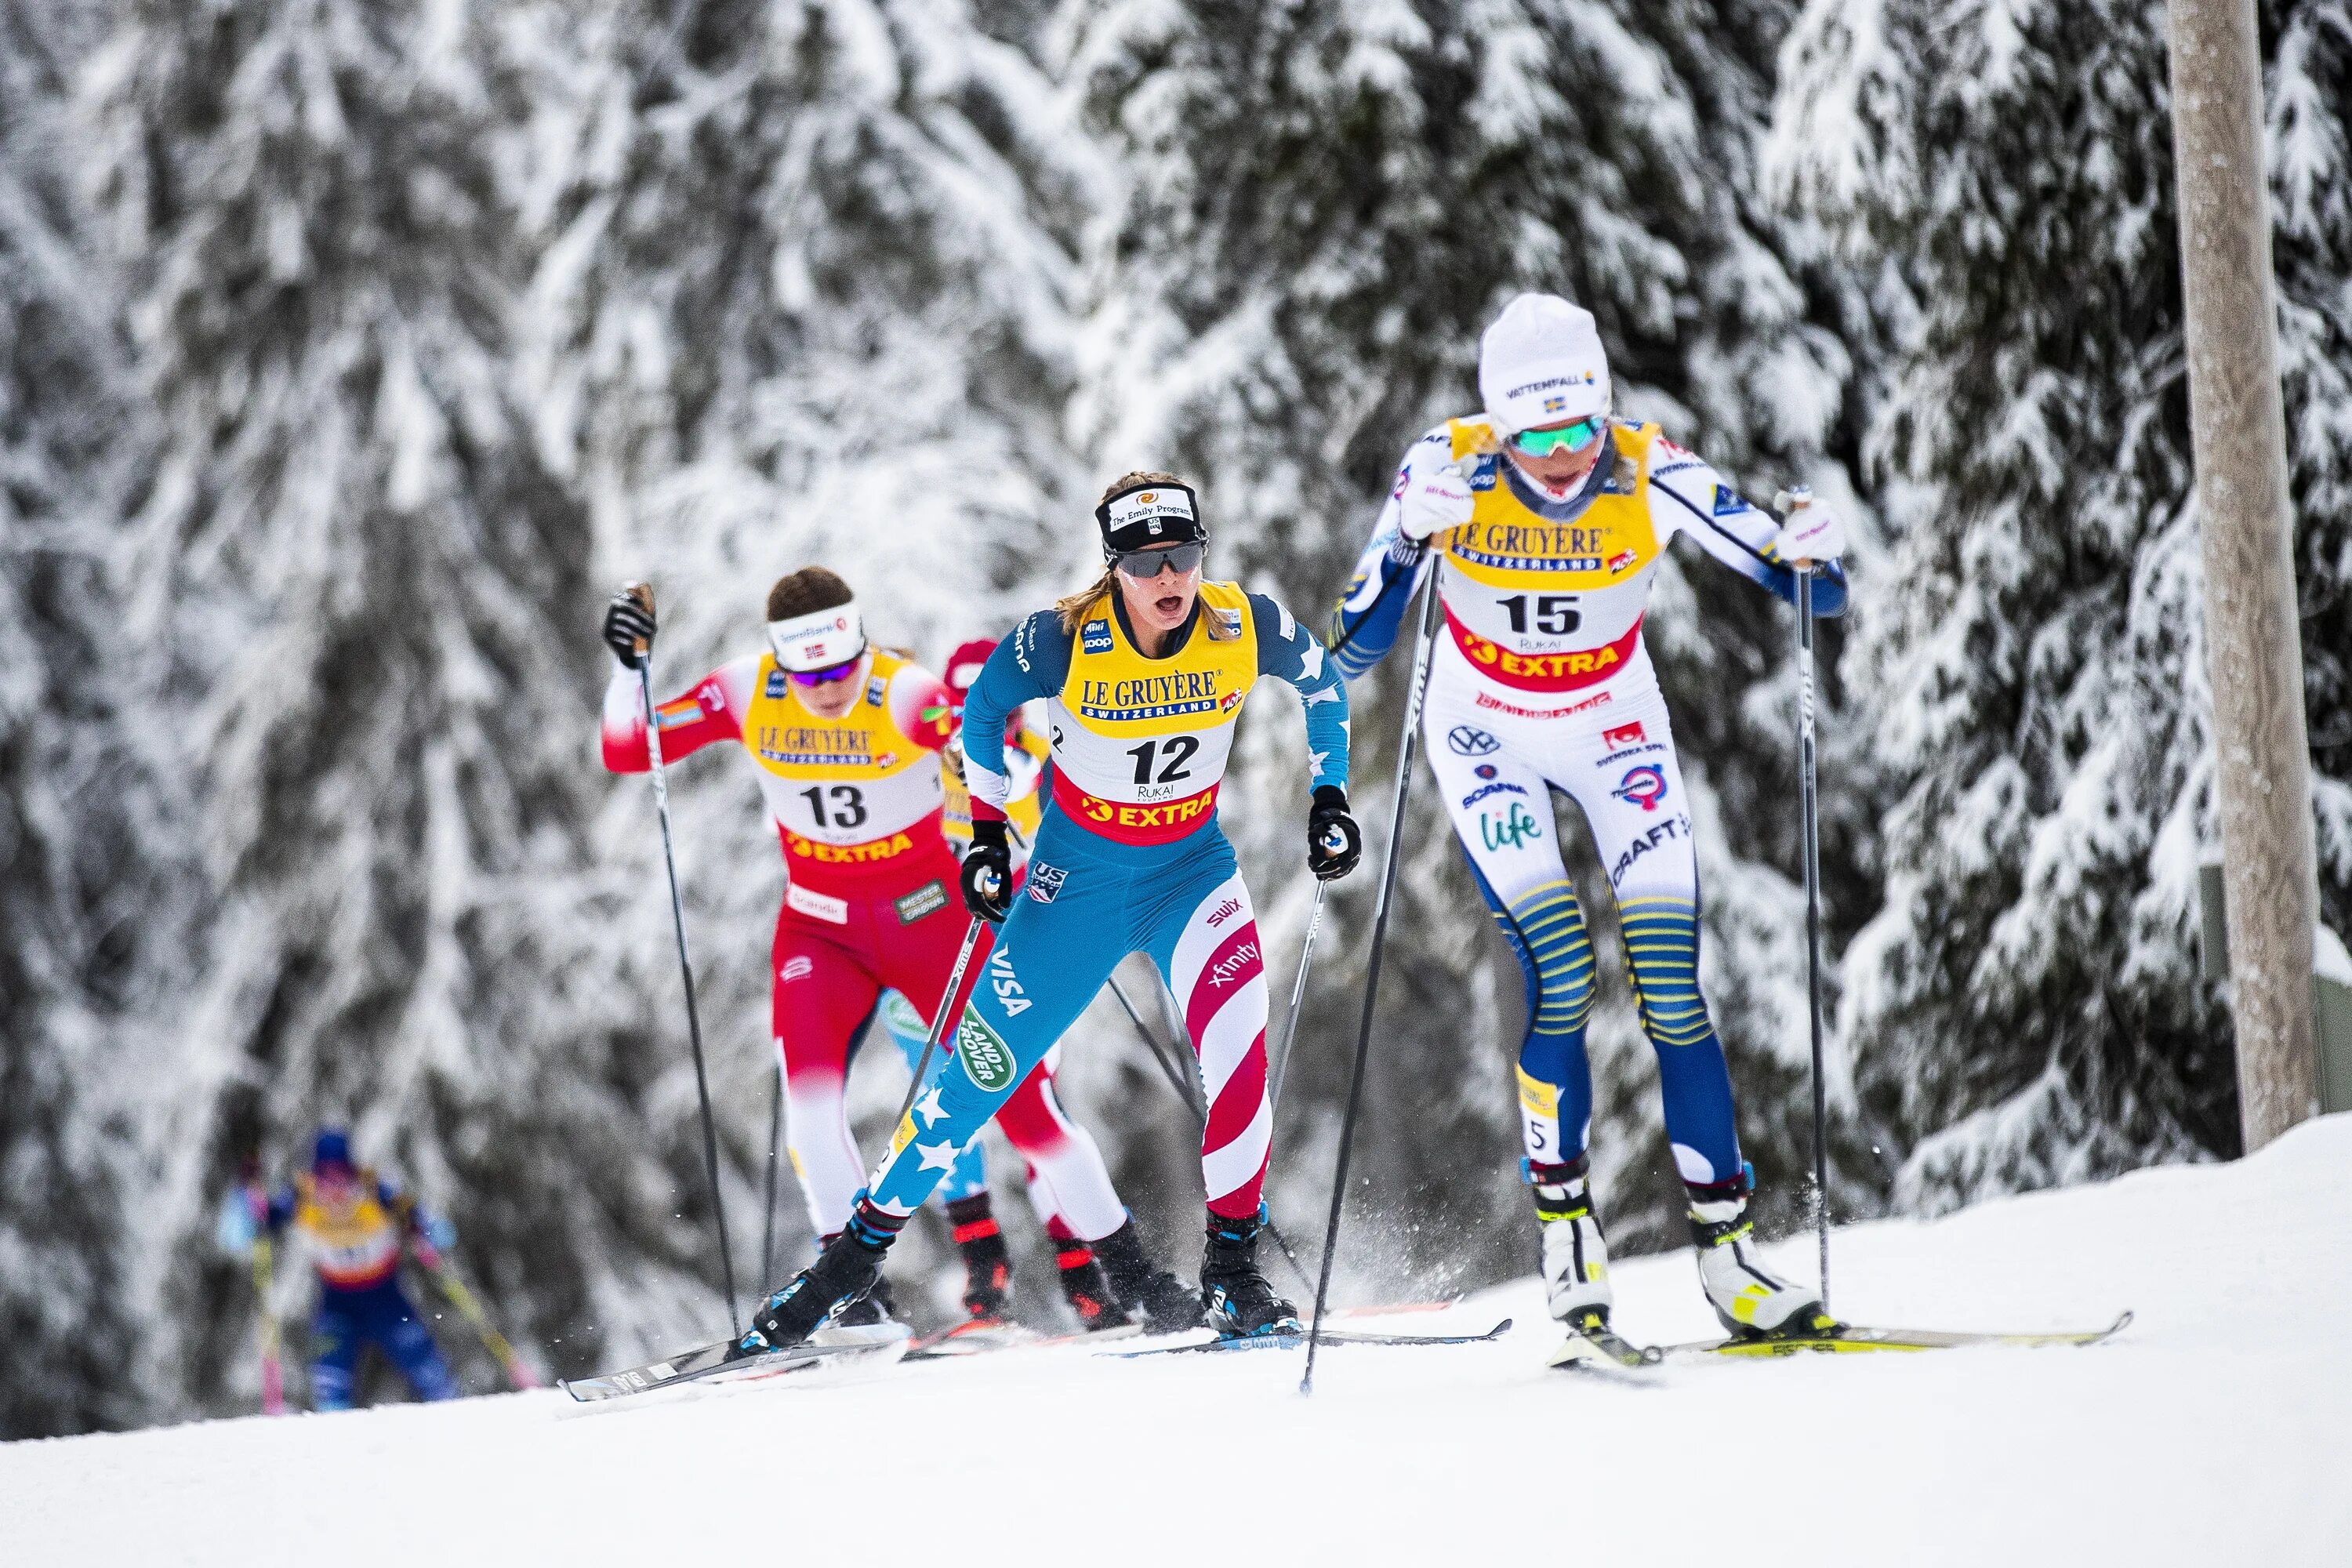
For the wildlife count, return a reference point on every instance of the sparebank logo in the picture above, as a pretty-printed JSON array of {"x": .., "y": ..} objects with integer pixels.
[{"x": 987, "y": 1061}]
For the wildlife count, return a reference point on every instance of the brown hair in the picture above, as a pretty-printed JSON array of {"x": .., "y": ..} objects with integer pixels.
[
  {"x": 1075, "y": 609},
  {"x": 806, "y": 592}
]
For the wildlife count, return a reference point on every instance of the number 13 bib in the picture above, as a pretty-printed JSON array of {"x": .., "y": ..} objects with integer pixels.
[{"x": 851, "y": 793}]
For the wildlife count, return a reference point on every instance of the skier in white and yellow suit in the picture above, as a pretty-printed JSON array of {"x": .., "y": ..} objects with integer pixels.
[{"x": 1548, "y": 518}]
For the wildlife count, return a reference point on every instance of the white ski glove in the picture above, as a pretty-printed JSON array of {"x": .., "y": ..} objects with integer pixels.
[
  {"x": 1435, "y": 498},
  {"x": 1808, "y": 532}
]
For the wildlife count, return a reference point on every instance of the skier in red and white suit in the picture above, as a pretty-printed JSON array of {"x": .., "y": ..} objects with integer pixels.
[{"x": 847, "y": 739}]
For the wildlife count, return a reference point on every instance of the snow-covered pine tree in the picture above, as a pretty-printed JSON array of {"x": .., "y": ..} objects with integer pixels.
[
  {"x": 362, "y": 599},
  {"x": 77, "y": 855},
  {"x": 1325, "y": 205},
  {"x": 2026, "y": 1009}
]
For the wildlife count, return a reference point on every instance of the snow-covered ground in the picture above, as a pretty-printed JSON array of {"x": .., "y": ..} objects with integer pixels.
[{"x": 2212, "y": 1432}]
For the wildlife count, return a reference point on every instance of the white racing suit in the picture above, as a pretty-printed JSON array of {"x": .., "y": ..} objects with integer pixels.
[{"x": 1541, "y": 682}]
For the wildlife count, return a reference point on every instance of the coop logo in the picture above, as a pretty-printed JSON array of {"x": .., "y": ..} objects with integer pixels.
[
  {"x": 1644, "y": 786},
  {"x": 1096, "y": 637},
  {"x": 1468, "y": 741},
  {"x": 987, "y": 1061}
]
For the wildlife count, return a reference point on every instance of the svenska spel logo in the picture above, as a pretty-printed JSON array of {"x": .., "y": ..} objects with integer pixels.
[{"x": 1644, "y": 786}]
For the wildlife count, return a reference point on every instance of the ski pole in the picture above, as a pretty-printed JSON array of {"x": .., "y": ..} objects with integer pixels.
[
  {"x": 1809, "y": 808},
  {"x": 1298, "y": 997},
  {"x": 939, "y": 1021},
  {"x": 265, "y": 1273},
  {"x": 518, "y": 1371},
  {"x": 775, "y": 1139},
  {"x": 645, "y": 597},
  {"x": 1178, "y": 1081},
  {"x": 1421, "y": 659}
]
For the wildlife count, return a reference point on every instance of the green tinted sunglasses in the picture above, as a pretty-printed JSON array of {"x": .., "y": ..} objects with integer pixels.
[{"x": 1575, "y": 438}]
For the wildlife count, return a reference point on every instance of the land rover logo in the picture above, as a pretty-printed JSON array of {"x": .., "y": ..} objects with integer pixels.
[{"x": 985, "y": 1058}]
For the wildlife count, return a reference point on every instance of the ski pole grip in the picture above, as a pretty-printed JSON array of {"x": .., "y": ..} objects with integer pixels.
[
  {"x": 1792, "y": 498},
  {"x": 642, "y": 594}
]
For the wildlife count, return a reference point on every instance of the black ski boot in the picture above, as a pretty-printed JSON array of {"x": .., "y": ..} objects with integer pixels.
[
  {"x": 879, "y": 1307},
  {"x": 1086, "y": 1288},
  {"x": 987, "y": 1266},
  {"x": 1150, "y": 1295},
  {"x": 1239, "y": 1299},
  {"x": 848, "y": 1268}
]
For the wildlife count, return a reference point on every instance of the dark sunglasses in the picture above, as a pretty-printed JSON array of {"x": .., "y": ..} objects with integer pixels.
[
  {"x": 1576, "y": 437},
  {"x": 1145, "y": 564},
  {"x": 830, "y": 672}
]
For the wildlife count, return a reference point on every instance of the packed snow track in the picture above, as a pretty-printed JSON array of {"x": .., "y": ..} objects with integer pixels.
[{"x": 2210, "y": 1432}]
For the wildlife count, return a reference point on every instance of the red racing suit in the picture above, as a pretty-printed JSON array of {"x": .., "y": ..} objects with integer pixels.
[{"x": 870, "y": 903}]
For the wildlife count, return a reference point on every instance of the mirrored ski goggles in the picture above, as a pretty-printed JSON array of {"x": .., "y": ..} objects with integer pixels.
[
  {"x": 842, "y": 671},
  {"x": 1574, "y": 437},
  {"x": 1145, "y": 564}
]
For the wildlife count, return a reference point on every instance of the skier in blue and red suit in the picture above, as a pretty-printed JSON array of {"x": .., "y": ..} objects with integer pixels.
[
  {"x": 354, "y": 1223},
  {"x": 1143, "y": 676}
]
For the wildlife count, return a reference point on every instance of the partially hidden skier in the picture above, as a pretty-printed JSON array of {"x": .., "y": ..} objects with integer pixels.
[
  {"x": 353, "y": 1223},
  {"x": 964, "y": 1192},
  {"x": 1545, "y": 518},
  {"x": 846, "y": 737},
  {"x": 1143, "y": 676}
]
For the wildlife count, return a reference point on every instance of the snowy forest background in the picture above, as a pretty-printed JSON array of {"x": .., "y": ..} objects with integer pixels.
[{"x": 353, "y": 350}]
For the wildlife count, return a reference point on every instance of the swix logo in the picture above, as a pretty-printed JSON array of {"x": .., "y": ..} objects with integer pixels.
[
  {"x": 1008, "y": 989},
  {"x": 1624, "y": 736},
  {"x": 1235, "y": 967},
  {"x": 1224, "y": 912},
  {"x": 798, "y": 968},
  {"x": 1644, "y": 786}
]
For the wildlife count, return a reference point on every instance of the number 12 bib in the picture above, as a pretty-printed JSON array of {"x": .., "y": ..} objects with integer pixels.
[{"x": 1140, "y": 744}]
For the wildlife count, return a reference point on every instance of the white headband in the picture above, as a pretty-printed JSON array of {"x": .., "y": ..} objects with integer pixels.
[
  {"x": 820, "y": 640},
  {"x": 1156, "y": 505}
]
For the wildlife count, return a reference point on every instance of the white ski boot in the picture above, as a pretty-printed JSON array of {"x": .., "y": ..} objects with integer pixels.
[
  {"x": 1751, "y": 1300},
  {"x": 1575, "y": 1253}
]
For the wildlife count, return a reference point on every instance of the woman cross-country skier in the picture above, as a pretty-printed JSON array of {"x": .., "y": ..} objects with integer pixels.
[
  {"x": 1143, "y": 675},
  {"x": 354, "y": 1223},
  {"x": 847, "y": 739},
  {"x": 964, "y": 1192},
  {"x": 1549, "y": 519}
]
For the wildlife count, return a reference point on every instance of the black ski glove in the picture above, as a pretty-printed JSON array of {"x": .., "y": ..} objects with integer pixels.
[
  {"x": 1334, "y": 842},
  {"x": 629, "y": 624},
  {"x": 987, "y": 877}
]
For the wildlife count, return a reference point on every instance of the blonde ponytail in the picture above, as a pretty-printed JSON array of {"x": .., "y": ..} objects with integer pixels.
[{"x": 1074, "y": 609}]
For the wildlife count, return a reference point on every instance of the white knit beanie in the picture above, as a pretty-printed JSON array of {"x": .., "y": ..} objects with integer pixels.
[{"x": 1540, "y": 364}]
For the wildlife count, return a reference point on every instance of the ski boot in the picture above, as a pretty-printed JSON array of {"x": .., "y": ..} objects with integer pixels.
[
  {"x": 1751, "y": 1300},
  {"x": 878, "y": 1307},
  {"x": 842, "y": 1276},
  {"x": 1236, "y": 1297},
  {"x": 1086, "y": 1288},
  {"x": 987, "y": 1265},
  {"x": 1575, "y": 1252},
  {"x": 1149, "y": 1293}
]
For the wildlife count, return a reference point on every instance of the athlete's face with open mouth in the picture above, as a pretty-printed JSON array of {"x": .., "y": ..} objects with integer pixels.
[
  {"x": 1161, "y": 601},
  {"x": 1559, "y": 456}
]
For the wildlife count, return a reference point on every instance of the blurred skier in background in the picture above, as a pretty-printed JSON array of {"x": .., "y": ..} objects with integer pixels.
[
  {"x": 847, "y": 738},
  {"x": 1143, "y": 675},
  {"x": 353, "y": 1222},
  {"x": 1548, "y": 517}
]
